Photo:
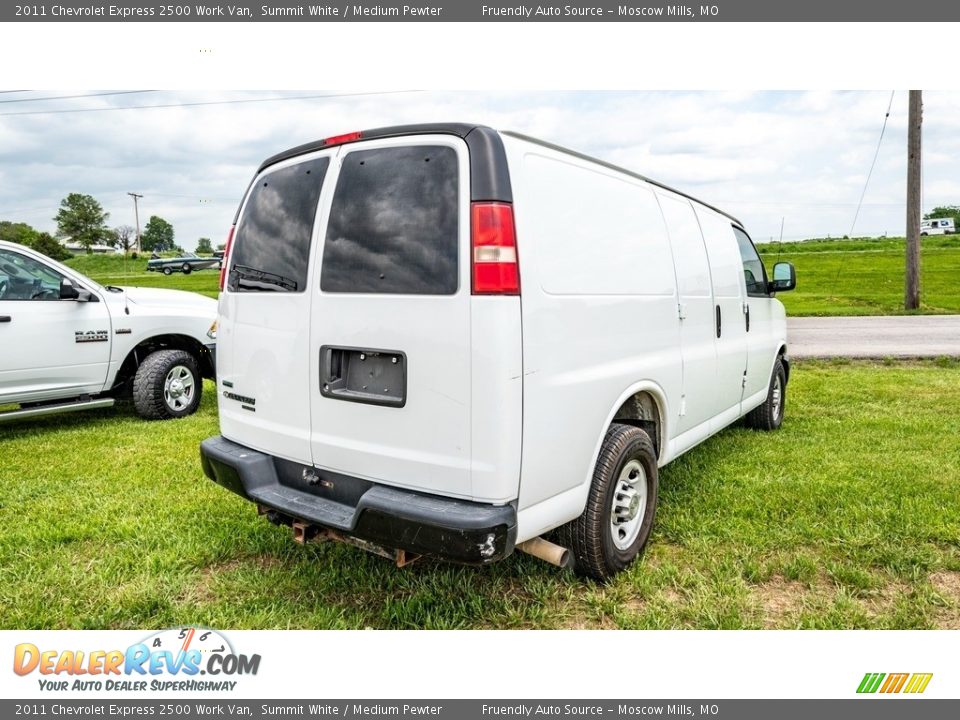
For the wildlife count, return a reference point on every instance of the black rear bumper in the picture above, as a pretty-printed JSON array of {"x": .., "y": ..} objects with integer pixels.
[{"x": 456, "y": 530}]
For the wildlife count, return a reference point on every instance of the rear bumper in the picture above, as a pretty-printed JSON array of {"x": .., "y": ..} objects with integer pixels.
[{"x": 455, "y": 530}]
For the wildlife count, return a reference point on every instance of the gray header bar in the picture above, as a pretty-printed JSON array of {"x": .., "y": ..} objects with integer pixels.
[
  {"x": 873, "y": 708},
  {"x": 485, "y": 11}
]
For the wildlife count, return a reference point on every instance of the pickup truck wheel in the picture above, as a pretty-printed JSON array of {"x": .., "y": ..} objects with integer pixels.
[
  {"x": 769, "y": 415},
  {"x": 186, "y": 269},
  {"x": 167, "y": 271},
  {"x": 618, "y": 518},
  {"x": 167, "y": 385}
]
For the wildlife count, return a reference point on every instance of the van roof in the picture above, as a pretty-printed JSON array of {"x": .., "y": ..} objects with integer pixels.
[{"x": 489, "y": 179}]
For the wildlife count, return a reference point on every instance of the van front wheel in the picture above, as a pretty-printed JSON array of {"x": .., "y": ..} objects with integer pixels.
[
  {"x": 769, "y": 414},
  {"x": 618, "y": 518}
]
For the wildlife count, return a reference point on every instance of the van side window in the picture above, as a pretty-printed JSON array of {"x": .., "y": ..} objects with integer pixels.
[
  {"x": 753, "y": 271},
  {"x": 271, "y": 248},
  {"x": 394, "y": 225}
]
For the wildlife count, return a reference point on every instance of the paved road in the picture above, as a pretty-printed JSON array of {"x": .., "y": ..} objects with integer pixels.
[{"x": 874, "y": 337}]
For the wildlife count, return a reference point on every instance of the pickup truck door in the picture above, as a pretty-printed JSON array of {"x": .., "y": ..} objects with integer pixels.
[{"x": 49, "y": 348}]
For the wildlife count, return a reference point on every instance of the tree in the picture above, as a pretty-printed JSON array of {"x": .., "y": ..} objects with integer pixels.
[
  {"x": 204, "y": 247},
  {"x": 945, "y": 211},
  {"x": 20, "y": 233},
  {"x": 51, "y": 247},
  {"x": 126, "y": 237},
  {"x": 157, "y": 236},
  {"x": 82, "y": 219},
  {"x": 31, "y": 237}
]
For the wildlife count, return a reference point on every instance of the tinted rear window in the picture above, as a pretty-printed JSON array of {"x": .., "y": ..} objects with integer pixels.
[
  {"x": 394, "y": 223},
  {"x": 272, "y": 243}
]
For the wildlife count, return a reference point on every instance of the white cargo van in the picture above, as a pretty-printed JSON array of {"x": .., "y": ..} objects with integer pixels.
[{"x": 448, "y": 340}]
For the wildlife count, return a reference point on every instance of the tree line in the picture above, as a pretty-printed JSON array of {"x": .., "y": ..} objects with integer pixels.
[{"x": 81, "y": 219}]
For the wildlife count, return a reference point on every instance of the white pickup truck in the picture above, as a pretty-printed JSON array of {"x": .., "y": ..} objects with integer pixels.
[{"x": 68, "y": 343}]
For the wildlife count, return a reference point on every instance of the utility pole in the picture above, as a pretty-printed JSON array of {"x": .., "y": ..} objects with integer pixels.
[
  {"x": 911, "y": 300},
  {"x": 136, "y": 214}
]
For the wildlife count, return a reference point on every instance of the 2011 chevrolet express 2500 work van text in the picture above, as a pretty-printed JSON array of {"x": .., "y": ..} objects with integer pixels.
[{"x": 449, "y": 340}]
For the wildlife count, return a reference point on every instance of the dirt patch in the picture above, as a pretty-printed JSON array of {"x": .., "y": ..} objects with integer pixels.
[
  {"x": 947, "y": 584},
  {"x": 582, "y": 622},
  {"x": 882, "y": 600},
  {"x": 779, "y": 599}
]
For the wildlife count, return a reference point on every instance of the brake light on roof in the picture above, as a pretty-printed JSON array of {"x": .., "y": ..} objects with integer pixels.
[
  {"x": 494, "y": 246},
  {"x": 225, "y": 260},
  {"x": 342, "y": 139}
]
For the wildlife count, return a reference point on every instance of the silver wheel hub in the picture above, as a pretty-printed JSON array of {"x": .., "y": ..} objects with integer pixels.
[
  {"x": 178, "y": 388},
  {"x": 776, "y": 395},
  {"x": 629, "y": 505}
]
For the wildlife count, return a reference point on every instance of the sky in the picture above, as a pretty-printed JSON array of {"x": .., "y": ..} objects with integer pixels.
[{"x": 800, "y": 158}]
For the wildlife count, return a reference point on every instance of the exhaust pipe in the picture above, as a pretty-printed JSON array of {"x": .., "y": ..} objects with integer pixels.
[{"x": 547, "y": 551}]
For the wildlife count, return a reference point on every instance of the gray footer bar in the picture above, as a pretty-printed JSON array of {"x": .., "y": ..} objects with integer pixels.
[{"x": 873, "y": 707}]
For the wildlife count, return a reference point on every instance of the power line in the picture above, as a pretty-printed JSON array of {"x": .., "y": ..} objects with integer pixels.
[
  {"x": 211, "y": 102},
  {"x": 68, "y": 97},
  {"x": 873, "y": 164}
]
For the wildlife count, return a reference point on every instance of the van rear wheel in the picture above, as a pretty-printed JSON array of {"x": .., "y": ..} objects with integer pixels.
[
  {"x": 618, "y": 518},
  {"x": 769, "y": 414}
]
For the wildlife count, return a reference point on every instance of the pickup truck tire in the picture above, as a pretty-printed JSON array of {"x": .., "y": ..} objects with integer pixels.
[
  {"x": 186, "y": 269},
  {"x": 167, "y": 271},
  {"x": 618, "y": 518},
  {"x": 167, "y": 385},
  {"x": 769, "y": 414}
]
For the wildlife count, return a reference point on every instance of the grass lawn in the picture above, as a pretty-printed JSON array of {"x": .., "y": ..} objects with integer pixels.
[
  {"x": 865, "y": 277},
  {"x": 117, "y": 270},
  {"x": 849, "y": 517}
]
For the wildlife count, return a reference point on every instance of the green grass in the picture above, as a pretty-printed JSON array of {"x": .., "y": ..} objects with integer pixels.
[
  {"x": 118, "y": 270},
  {"x": 846, "y": 518},
  {"x": 865, "y": 277}
]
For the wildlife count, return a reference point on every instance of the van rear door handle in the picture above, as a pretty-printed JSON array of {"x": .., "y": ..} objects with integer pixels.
[
  {"x": 746, "y": 311},
  {"x": 718, "y": 321},
  {"x": 5, "y": 318}
]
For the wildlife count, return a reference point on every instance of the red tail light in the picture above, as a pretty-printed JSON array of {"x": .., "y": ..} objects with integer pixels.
[
  {"x": 225, "y": 261},
  {"x": 341, "y": 139},
  {"x": 494, "y": 241}
]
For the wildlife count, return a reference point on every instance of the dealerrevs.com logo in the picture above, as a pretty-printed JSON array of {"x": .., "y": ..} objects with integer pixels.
[{"x": 181, "y": 659}]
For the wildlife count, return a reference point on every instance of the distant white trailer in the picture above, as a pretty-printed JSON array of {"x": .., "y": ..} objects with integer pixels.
[{"x": 937, "y": 226}]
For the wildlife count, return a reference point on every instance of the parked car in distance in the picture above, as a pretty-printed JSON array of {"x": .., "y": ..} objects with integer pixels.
[
  {"x": 186, "y": 263},
  {"x": 70, "y": 343},
  {"x": 381, "y": 381}
]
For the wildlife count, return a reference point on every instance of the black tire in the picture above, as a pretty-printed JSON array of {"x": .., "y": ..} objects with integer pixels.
[
  {"x": 186, "y": 269},
  {"x": 590, "y": 536},
  {"x": 150, "y": 382},
  {"x": 769, "y": 414},
  {"x": 167, "y": 271}
]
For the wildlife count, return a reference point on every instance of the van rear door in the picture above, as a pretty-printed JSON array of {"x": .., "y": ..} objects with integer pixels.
[
  {"x": 390, "y": 316},
  {"x": 263, "y": 329}
]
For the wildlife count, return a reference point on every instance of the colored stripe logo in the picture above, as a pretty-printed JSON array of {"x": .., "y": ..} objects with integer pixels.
[{"x": 913, "y": 683}]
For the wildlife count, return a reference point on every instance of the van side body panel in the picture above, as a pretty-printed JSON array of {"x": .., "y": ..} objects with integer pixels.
[{"x": 599, "y": 312}]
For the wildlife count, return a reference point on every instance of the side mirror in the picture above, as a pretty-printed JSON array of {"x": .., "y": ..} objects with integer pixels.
[
  {"x": 784, "y": 277},
  {"x": 67, "y": 290}
]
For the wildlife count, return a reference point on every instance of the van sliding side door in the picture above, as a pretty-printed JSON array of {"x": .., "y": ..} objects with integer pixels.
[{"x": 729, "y": 323}]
